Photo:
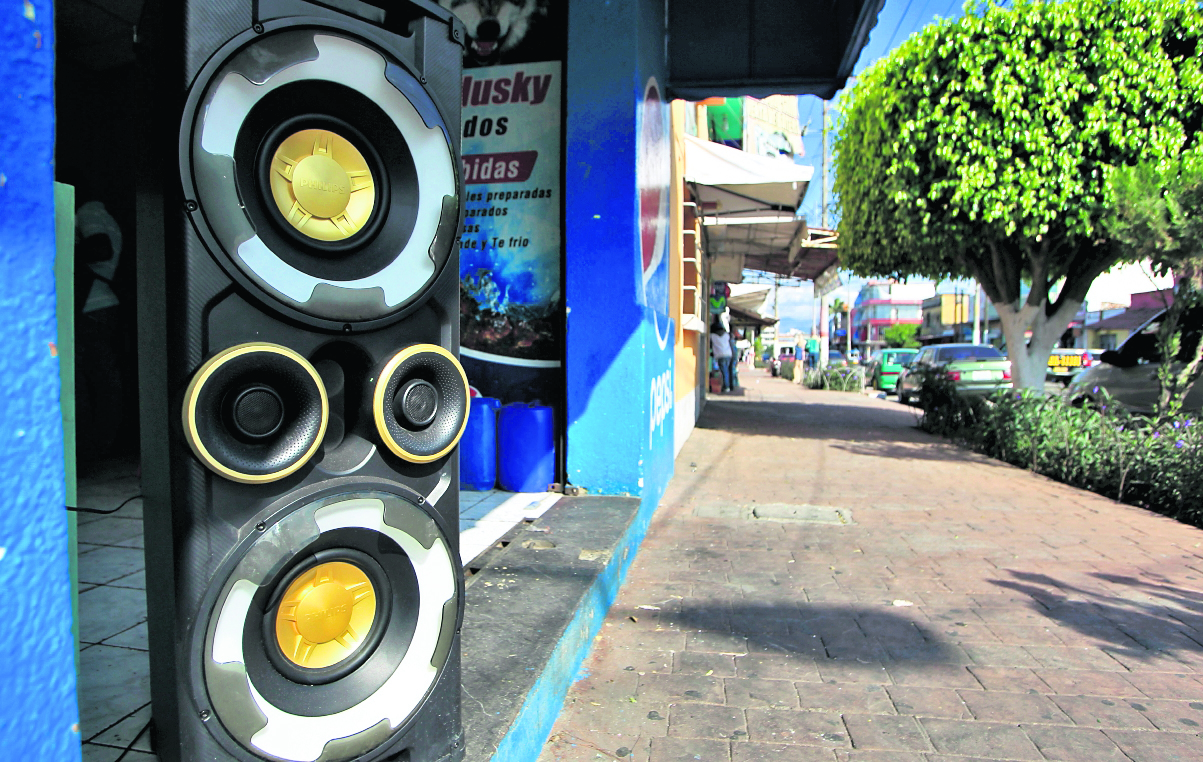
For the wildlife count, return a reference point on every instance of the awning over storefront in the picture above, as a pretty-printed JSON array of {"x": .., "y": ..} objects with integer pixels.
[
  {"x": 749, "y": 205},
  {"x": 746, "y": 318},
  {"x": 765, "y": 47},
  {"x": 742, "y": 184}
]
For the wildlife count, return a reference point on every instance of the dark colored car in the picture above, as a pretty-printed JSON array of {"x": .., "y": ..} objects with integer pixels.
[
  {"x": 976, "y": 369},
  {"x": 1129, "y": 374}
]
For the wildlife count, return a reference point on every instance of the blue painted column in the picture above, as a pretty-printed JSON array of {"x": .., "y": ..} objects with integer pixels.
[
  {"x": 38, "y": 711},
  {"x": 619, "y": 336}
]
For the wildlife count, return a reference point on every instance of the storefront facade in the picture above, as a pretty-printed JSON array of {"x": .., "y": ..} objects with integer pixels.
[{"x": 631, "y": 358}]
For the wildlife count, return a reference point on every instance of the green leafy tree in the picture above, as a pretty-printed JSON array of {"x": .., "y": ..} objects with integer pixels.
[
  {"x": 1158, "y": 215},
  {"x": 978, "y": 149},
  {"x": 901, "y": 335}
]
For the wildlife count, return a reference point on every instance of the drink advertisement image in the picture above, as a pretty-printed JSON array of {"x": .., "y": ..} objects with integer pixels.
[{"x": 510, "y": 248}]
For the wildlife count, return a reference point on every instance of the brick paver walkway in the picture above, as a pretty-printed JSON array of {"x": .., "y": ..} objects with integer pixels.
[{"x": 968, "y": 610}]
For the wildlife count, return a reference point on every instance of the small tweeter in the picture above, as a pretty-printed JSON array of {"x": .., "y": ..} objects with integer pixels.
[
  {"x": 255, "y": 413},
  {"x": 420, "y": 403}
]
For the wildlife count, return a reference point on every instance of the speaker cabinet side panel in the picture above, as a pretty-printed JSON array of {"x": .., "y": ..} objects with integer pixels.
[
  {"x": 208, "y": 24},
  {"x": 200, "y": 523}
]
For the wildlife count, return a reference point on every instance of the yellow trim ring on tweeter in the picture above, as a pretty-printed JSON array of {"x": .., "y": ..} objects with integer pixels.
[
  {"x": 325, "y": 615},
  {"x": 382, "y": 384},
  {"x": 322, "y": 185},
  {"x": 192, "y": 435}
]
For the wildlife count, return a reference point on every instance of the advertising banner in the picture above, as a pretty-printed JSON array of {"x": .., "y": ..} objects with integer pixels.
[
  {"x": 510, "y": 249},
  {"x": 511, "y": 252}
]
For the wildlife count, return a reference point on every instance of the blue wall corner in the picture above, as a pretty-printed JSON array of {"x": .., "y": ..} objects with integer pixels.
[
  {"x": 38, "y": 710},
  {"x": 619, "y": 375}
]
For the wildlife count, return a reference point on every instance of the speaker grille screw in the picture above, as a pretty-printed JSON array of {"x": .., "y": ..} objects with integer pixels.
[
  {"x": 190, "y": 206},
  {"x": 204, "y": 715},
  {"x": 258, "y": 28},
  {"x": 261, "y": 526}
]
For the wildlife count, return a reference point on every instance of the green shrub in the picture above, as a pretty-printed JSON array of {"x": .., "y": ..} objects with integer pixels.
[
  {"x": 844, "y": 379},
  {"x": 835, "y": 379},
  {"x": 788, "y": 367},
  {"x": 1104, "y": 448}
]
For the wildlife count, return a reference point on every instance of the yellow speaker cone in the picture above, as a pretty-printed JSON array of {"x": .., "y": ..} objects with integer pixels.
[
  {"x": 325, "y": 614},
  {"x": 322, "y": 185}
]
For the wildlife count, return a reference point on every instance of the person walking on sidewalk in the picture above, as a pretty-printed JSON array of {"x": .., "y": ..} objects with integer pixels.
[
  {"x": 734, "y": 336},
  {"x": 720, "y": 347}
]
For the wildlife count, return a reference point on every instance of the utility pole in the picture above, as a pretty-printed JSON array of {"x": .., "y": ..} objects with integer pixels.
[
  {"x": 977, "y": 313},
  {"x": 848, "y": 328},
  {"x": 776, "y": 317},
  {"x": 823, "y": 185}
]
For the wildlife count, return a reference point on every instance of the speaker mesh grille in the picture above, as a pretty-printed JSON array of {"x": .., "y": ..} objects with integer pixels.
[
  {"x": 418, "y": 402},
  {"x": 258, "y": 412}
]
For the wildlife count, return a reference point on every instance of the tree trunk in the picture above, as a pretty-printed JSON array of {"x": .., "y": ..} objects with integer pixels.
[{"x": 1029, "y": 358}]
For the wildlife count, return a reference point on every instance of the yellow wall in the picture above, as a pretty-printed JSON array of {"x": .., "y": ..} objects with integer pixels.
[{"x": 688, "y": 343}]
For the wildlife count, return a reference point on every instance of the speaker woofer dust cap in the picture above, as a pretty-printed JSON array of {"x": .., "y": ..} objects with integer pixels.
[
  {"x": 414, "y": 424},
  {"x": 322, "y": 185},
  {"x": 325, "y": 615},
  {"x": 245, "y": 442}
]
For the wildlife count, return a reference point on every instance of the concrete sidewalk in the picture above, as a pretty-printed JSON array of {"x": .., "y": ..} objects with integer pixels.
[{"x": 823, "y": 581}]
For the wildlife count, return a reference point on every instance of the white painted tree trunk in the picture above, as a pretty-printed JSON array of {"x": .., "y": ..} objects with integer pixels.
[{"x": 1029, "y": 357}]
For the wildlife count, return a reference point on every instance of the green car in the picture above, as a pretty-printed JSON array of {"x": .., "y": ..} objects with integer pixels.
[
  {"x": 976, "y": 369},
  {"x": 886, "y": 365}
]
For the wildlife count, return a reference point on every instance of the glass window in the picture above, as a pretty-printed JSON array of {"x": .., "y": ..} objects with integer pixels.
[{"x": 955, "y": 354}]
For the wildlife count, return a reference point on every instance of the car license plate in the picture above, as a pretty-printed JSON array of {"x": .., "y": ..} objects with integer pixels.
[
  {"x": 1065, "y": 361},
  {"x": 983, "y": 375}
]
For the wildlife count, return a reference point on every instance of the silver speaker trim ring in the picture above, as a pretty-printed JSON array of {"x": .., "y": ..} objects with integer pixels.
[
  {"x": 347, "y": 62},
  {"x": 294, "y": 738}
]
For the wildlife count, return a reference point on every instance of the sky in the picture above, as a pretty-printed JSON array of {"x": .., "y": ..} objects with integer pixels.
[{"x": 898, "y": 20}]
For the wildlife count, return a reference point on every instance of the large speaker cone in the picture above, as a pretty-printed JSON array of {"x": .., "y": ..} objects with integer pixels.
[
  {"x": 420, "y": 403},
  {"x": 334, "y": 624},
  {"x": 303, "y": 160},
  {"x": 255, "y": 412}
]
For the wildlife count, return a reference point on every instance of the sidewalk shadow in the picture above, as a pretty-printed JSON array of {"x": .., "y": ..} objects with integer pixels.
[
  {"x": 1171, "y": 623},
  {"x": 809, "y": 420},
  {"x": 872, "y": 635},
  {"x": 926, "y": 448}
]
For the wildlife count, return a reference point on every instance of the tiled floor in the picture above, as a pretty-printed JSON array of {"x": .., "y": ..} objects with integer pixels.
[{"x": 114, "y": 681}]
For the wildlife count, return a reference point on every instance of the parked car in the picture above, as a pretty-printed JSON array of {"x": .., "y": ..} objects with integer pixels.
[
  {"x": 836, "y": 359},
  {"x": 976, "y": 369},
  {"x": 1129, "y": 374},
  {"x": 885, "y": 366},
  {"x": 1065, "y": 363}
]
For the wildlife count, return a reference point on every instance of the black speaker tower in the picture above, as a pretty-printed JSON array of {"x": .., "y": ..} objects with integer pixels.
[{"x": 301, "y": 394}]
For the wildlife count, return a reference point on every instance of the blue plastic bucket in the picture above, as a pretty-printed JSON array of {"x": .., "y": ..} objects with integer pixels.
[
  {"x": 478, "y": 446},
  {"x": 526, "y": 450}
]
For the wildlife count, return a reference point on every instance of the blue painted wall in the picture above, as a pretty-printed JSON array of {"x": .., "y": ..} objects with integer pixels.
[
  {"x": 38, "y": 712},
  {"x": 619, "y": 373}
]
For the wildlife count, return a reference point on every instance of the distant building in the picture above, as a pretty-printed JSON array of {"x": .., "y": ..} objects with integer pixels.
[
  {"x": 883, "y": 303},
  {"x": 1110, "y": 328}
]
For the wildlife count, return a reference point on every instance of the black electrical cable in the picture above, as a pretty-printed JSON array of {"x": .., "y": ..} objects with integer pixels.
[{"x": 81, "y": 509}]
